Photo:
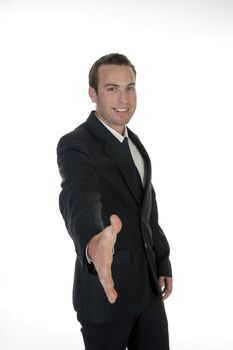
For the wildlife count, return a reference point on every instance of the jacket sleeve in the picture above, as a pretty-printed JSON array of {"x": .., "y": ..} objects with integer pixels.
[
  {"x": 161, "y": 246},
  {"x": 79, "y": 200}
]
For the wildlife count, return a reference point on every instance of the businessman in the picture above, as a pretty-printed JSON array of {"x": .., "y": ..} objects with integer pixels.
[{"x": 122, "y": 271}]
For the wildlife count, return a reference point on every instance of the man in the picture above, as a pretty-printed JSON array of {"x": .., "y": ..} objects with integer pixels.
[{"x": 122, "y": 271}]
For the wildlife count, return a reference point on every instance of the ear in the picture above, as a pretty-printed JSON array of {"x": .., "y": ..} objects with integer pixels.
[{"x": 92, "y": 94}]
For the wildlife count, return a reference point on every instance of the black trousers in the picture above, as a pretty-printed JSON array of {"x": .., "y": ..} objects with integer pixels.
[{"x": 147, "y": 331}]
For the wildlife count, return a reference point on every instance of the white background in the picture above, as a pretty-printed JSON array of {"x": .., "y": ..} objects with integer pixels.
[{"x": 183, "y": 52}]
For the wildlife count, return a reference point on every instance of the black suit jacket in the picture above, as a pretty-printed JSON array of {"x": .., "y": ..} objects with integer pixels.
[{"x": 96, "y": 183}]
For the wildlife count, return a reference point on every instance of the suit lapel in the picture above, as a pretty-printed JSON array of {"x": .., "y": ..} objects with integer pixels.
[
  {"x": 112, "y": 147},
  {"x": 147, "y": 165},
  {"x": 117, "y": 153}
]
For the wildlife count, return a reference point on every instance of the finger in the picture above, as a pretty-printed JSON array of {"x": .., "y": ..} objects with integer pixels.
[
  {"x": 163, "y": 293},
  {"x": 116, "y": 223},
  {"x": 166, "y": 295},
  {"x": 105, "y": 277},
  {"x": 167, "y": 289},
  {"x": 111, "y": 231},
  {"x": 111, "y": 295},
  {"x": 162, "y": 281}
]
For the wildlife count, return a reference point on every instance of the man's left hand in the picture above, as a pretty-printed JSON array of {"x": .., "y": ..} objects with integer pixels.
[{"x": 166, "y": 284}]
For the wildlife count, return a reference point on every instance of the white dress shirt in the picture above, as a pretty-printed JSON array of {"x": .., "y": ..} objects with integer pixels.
[{"x": 138, "y": 160}]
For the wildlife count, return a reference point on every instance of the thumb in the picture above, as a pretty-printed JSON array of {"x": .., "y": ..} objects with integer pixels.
[{"x": 116, "y": 224}]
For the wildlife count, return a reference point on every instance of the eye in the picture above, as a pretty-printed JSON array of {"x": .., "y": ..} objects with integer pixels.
[
  {"x": 131, "y": 88},
  {"x": 112, "y": 89}
]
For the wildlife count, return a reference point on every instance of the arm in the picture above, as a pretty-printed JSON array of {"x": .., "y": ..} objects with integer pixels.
[
  {"x": 79, "y": 199},
  {"x": 162, "y": 251},
  {"x": 80, "y": 205}
]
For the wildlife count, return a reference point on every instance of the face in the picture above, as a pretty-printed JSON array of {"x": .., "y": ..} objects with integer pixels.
[{"x": 116, "y": 98}]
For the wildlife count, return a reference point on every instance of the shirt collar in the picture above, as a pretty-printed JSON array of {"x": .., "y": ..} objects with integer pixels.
[{"x": 114, "y": 132}]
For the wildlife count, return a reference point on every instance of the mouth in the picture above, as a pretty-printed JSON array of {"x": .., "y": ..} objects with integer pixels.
[{"x": 121, "y": 109}]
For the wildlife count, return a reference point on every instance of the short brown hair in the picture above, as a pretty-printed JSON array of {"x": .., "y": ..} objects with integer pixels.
[{"x": 112, "y": 58}]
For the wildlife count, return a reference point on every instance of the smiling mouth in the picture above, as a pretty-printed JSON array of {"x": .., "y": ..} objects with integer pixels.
[{"x": 121, "y": 109}]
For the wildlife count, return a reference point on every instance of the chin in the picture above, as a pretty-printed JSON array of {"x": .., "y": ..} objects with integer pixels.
[{"x": 123, "y": 117}]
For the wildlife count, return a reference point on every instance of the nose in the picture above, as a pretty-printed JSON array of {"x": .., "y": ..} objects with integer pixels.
[{"x": 122, "y": 98}]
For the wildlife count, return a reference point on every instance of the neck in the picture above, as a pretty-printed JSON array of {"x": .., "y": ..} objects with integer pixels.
[{"x": 118, "y": 128}]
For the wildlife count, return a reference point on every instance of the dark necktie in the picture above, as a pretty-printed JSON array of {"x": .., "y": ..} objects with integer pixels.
[{"x": 136, "y": 176}]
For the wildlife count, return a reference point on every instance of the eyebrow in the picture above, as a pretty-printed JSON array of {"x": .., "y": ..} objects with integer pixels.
[{"x": 116, "y": 85}]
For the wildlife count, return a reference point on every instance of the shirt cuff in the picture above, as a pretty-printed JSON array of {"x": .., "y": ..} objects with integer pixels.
[
  {"x": 89, "y": 259},
  {"x": 87, "y": 256}
]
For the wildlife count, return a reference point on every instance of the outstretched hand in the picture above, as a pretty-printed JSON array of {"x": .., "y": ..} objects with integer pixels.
[{"x": 100, "y": 249}]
